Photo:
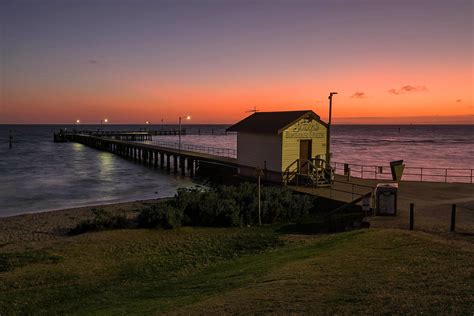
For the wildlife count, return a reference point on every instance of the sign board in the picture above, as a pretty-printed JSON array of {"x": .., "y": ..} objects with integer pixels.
[
  {"x": 258, "y": 172},
  {"x": 305, "y": 128}
]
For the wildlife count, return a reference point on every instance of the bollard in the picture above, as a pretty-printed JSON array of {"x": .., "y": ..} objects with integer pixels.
[
  {"x": 453, "y": 217},
  {"x": 412, "y": 215}
]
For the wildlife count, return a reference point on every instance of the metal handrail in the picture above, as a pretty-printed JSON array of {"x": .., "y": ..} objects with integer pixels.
[
  {"x": 423, "y": 174},
  {"x": 224, "y": 152}
]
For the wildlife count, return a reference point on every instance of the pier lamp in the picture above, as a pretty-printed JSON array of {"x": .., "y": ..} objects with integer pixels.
[
  {"x": 187, "y": 117},
  {"x": 104, "y": 121},
  {"x": 328, "y": 134},
  {"x": 78, "y": 121}
]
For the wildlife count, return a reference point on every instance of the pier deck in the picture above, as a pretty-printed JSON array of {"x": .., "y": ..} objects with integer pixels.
[{"x": 157, "y": 156}]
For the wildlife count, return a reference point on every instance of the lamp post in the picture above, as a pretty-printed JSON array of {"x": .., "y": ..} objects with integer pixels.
[
  {"x": 328, "y": 134},
  {"x": 179, "y": 132},
  {"x": 104, "y": 121}
]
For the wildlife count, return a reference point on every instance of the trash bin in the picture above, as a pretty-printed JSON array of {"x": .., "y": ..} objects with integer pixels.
[
  {"x": 386, "y": 199},
  {"x": 397, "y": 167}
]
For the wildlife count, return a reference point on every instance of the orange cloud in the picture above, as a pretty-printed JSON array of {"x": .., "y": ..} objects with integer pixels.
[
  {"x": 359, "y": 95},
  {"x": 408, "y": 88}
]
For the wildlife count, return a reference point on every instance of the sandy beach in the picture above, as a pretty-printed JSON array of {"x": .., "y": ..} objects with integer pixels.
[{"x": 30, "y": 230}]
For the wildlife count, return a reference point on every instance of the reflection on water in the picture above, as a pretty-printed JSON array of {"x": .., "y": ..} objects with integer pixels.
[
  {"x": 78, "y": 147},
  {"x": 105, "y": 165}
]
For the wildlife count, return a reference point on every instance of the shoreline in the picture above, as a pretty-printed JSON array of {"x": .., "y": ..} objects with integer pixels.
[
  {"x": 31, "y": 229},
  {"x": 91, "y": 204}
]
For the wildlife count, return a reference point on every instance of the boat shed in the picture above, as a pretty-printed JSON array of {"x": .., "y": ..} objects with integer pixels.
[{"x": 274, "y": 141}]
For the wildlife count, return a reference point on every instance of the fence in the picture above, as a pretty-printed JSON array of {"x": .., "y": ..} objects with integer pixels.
[
  {"x": 223, "y": 152},
  {"x": 423, "y": 174}
]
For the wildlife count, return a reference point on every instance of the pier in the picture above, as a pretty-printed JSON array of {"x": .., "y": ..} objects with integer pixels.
[{"x": 184, "y": 162}]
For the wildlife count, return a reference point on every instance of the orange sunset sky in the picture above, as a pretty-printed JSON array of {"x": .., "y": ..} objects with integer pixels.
[{"x": 130, "y": 62}]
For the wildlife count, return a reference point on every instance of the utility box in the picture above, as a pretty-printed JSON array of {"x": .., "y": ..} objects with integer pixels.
[{"x": 386, "y": 195}]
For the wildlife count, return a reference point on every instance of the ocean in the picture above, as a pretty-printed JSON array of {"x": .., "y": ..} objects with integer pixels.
[{"x": 39, "y": 175}]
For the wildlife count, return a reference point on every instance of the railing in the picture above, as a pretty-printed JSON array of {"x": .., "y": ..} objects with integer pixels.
[
  {"x": 423, "y": 174},
  {"x": 313, "y": 169},
  {"x": 223, "y": 152},
  {"x": 354, "y": 190}
]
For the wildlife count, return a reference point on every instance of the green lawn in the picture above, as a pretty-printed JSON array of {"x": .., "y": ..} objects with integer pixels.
[{"x": 240, "y": 270}]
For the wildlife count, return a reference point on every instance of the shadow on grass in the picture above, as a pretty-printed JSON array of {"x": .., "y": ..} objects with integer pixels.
[
  {"x": 12, "y": 260},
  {"x": 322, "y": 224}
]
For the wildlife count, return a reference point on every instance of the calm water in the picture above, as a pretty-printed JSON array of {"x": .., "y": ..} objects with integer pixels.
[{"x": 38, "y": 174}]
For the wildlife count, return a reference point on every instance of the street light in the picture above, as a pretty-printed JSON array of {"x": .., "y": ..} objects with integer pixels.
[
  {"x": 179, "y": 133},
  {"x": 328, "y": 134},
  {"x": 78, "y": 121}
]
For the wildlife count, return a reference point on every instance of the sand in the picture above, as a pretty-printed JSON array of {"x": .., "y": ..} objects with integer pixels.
[{"x": 31, "y": 230}]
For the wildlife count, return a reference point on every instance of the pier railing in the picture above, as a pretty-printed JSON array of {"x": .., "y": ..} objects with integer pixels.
[
  {"x": 423, "y": 174},
  {"x": 223, "y": 152}
]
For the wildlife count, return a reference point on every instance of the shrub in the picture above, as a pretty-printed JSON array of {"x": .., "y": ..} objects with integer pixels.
[
  {"x": 101, "y": 221},
  {"x": 225, "y": 206},
  {"x": 162, "y": 215}
]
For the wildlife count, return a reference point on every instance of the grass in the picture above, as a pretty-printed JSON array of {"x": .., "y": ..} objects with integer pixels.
[{"x": 243, "y": 270}]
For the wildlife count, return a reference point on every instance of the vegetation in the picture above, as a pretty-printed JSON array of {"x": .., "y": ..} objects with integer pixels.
[
  {"x": 11, "y": 260},
  {"x": 227, "y": 206},
  {"x": 243, "y": 270},
  {"x": 100, "y": 221}
]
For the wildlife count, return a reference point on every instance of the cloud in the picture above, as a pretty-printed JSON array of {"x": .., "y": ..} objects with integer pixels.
[
  {"x": 414, "y": 88},
  {"x": 458, "y": 100},
  {"x": 359, "y": 95},
  {"x": 408, "y": 89}
]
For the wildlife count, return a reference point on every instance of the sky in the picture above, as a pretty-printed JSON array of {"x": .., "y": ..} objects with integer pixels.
[{"x": 136, "y": 61}]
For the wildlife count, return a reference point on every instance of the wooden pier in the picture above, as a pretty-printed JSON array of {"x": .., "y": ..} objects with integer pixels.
[{"x": 170, "y": 159}]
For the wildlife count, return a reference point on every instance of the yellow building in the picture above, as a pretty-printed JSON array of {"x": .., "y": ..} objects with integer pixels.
[{"x": 282, "y": 144}]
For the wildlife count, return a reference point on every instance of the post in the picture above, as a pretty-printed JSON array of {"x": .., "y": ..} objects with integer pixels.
[
  {"x": 175, "y": 164},
  {"x": 453, "y": 217},
  {"x": 182, "y": 164},
  {"x": 259, "y": 212},
  {"x": 328, "y": 134},
  {"x": 412, "y": 215},
  {"x": 179, "y": 135}
]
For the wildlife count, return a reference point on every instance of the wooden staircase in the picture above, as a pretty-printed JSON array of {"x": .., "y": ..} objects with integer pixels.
[{"x": 312, "y": 172}]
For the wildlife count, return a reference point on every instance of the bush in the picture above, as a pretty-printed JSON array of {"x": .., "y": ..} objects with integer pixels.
[
  {"x": 162, "y": 215},
  {"x": 226, "y": 206},
  {"x": 101, "y": 221}
]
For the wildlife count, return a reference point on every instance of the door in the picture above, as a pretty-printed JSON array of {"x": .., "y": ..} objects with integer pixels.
[{"x": 305, "y": 154}]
